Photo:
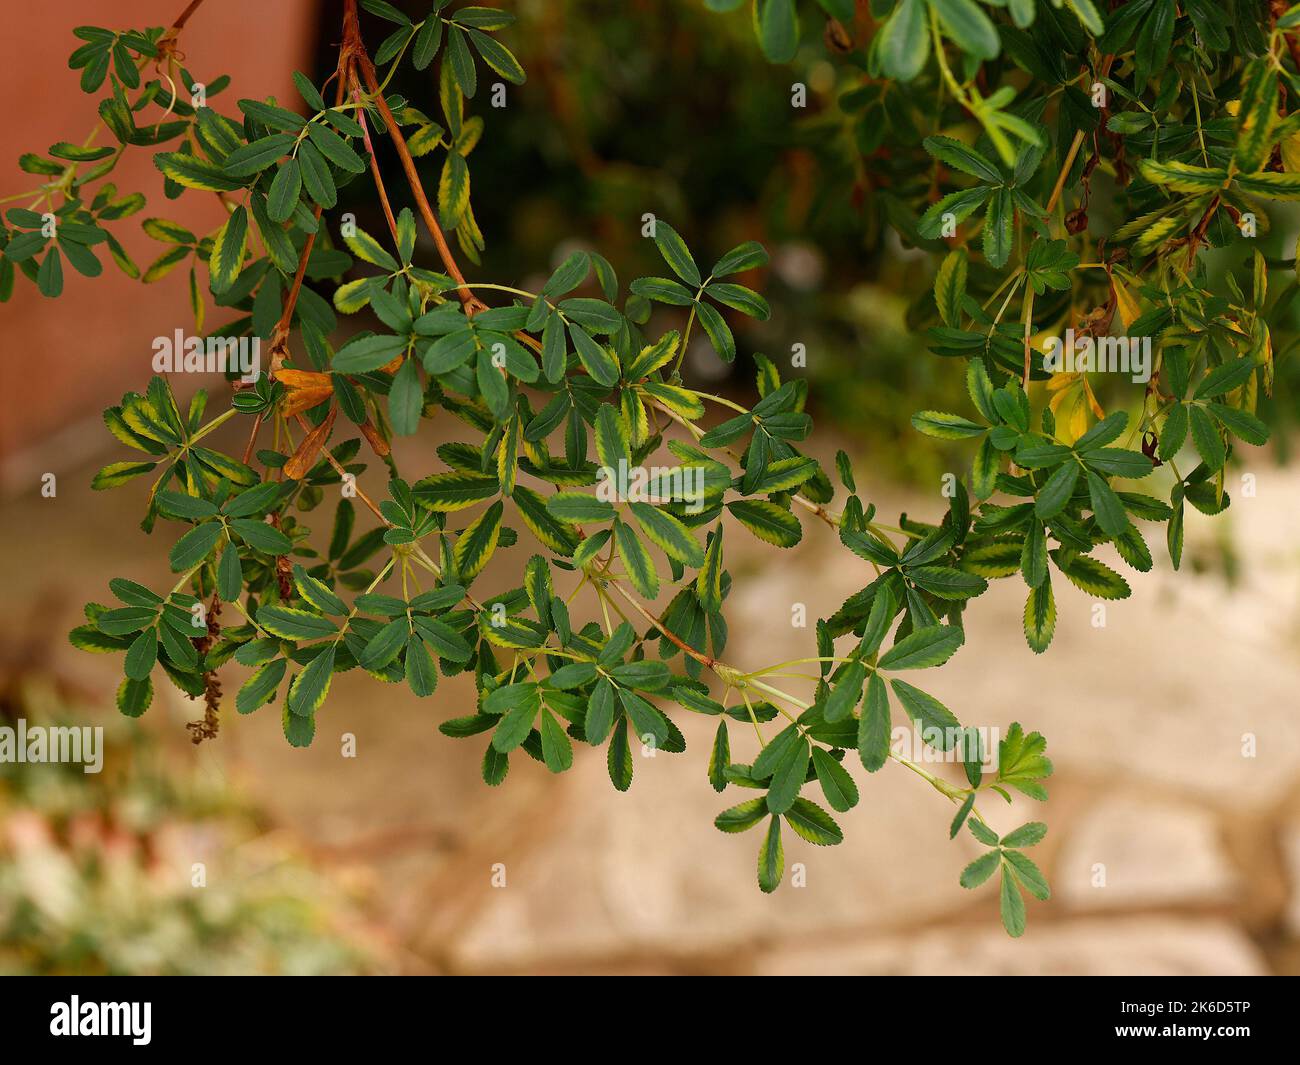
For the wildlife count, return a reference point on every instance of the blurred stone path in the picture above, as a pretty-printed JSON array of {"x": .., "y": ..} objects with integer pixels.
[{"x": 1144, "y": 717}]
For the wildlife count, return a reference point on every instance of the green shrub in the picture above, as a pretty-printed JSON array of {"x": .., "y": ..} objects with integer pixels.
[{"x": 979, "y": 129}]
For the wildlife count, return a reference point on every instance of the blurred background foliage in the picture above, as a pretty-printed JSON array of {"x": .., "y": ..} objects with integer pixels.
[{"x": 97, "y": 870}]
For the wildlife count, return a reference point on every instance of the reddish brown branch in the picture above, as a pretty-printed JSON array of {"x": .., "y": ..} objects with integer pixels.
[{"x": 353, "y": 45}]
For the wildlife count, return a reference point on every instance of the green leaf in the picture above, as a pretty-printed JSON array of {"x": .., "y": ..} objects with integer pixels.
[
  {"x": 142, "y": 655},
  {"x": 675, "y": 253},
  {"x": 255, "y": 157},
  {"x": 1093, "y": 576},
  {"x": 1104, "y": 432},
  {"x": 260, "y": 536},
  {"x": 517, "y": 721},
  {"x": 309, "y": 688},
  {"x": 998, "y": 227},
  {"x": 445, "y": 640},
  {"x": 923, "y": 648},
  {"x": 636, "y": 561},
  {"x": 316, "y": 177},
  {"x": 335, "y": 148},
  {"x": 845, "y": 693},
  {"x": 651, "y": 727},
  {"x": 968, "y": 26},
  {"x": 477, "y": 543},
  {"x": 406, "y": 399},
  {"x": 980, "y": 869},
  {"x": 427, "y": 40},
  {"x": 230, "y": 575},
  {"x": 663, "y": 290},
  {"x": 1119, "y": 462},
  {"x": 187, "y": 507},
  {"x": 668, "y": 534},
  {"x": 385, "y": 645},
  {"x": 950, "y": 288},
  {"x": 838, "y": 787},
  {"x": 771, "y": 858},
  {"x": 945, "y": 426},
  {"x": 126, "y": 620},
  {"x": 462, "y": 63},
  {"x": 365, "y": 247},
  {"x": 742, "y": 816},
  {"x": 1240, "y": 423},
  {"x": 557, "y": 751},
  {"x": 947, "y": 582},
  {"x": 227, "y": 257},
  {"x": 193, "y": 173},
  {"x": 1012, "y": 907},
  {"x": 595, "y": 359},
  {"x": 1183, "y": 177},
  {"x": 292, "y": 623},
  {"x": 1021, "y": 762},
  {"x": 600, "y": 712},
  {"x": 771, "y": 523},
  {"x": 195, "y": 546},
  {"x": 874, "y": 726},
  {"x": 495, "y": 767},
  {"x": 1106, "y": 505},
  {"x": 1208, "y": 441},
  {"x": 708, "y": 583},
  {"x": 261, "y": 686},
  {"x": 498, "y": 57},
  {"x": 1033, "y": 557},
  {"x": 968, "y": 161},
  {"x": 1027, "y": 874},
  {"x": 740, "y": 298},
  {"x": 455, "y": 490},
  {"x": 778, "y": 29},
  {"x": 1225, "y": 378},
  {"x": 937, "y": 724},
  {"x": 612, "y": 447},
  {"x": 720, "y": 758},
  {"x": 747, "y": 256},
  {"x": 421, "y": 673},
  {"x": 272, "y": 115},
  {"x": 788, "y": 775},
  {"x": 813, "y": 823},
  {"x": 579, "y": 508},
  {"x": 1057, "y": 490},
  {"x": 1026, "y": 835},
  {"x": 453, "y": 190},
  {"x": 718, "y": 331},
  {"x": 984, "y": 469},
  {"x": 904, "y": 41},
  {"x": 366, "y": 354},
  {"x": 49, "y": 278},
  {"x": 134, "y": 696},
  {"x": 1040, "y": 617}
]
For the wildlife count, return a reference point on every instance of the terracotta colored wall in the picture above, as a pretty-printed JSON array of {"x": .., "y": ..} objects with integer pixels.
[{"x": 61, "y": 360}]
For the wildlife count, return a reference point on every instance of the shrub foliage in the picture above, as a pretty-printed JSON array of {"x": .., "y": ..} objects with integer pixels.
[{"x": 978, "y": 130}]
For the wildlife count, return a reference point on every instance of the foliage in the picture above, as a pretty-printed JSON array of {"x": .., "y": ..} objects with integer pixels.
[
  {"x": 96, "y": 868},
  {"x": 555, "y": 387}
]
